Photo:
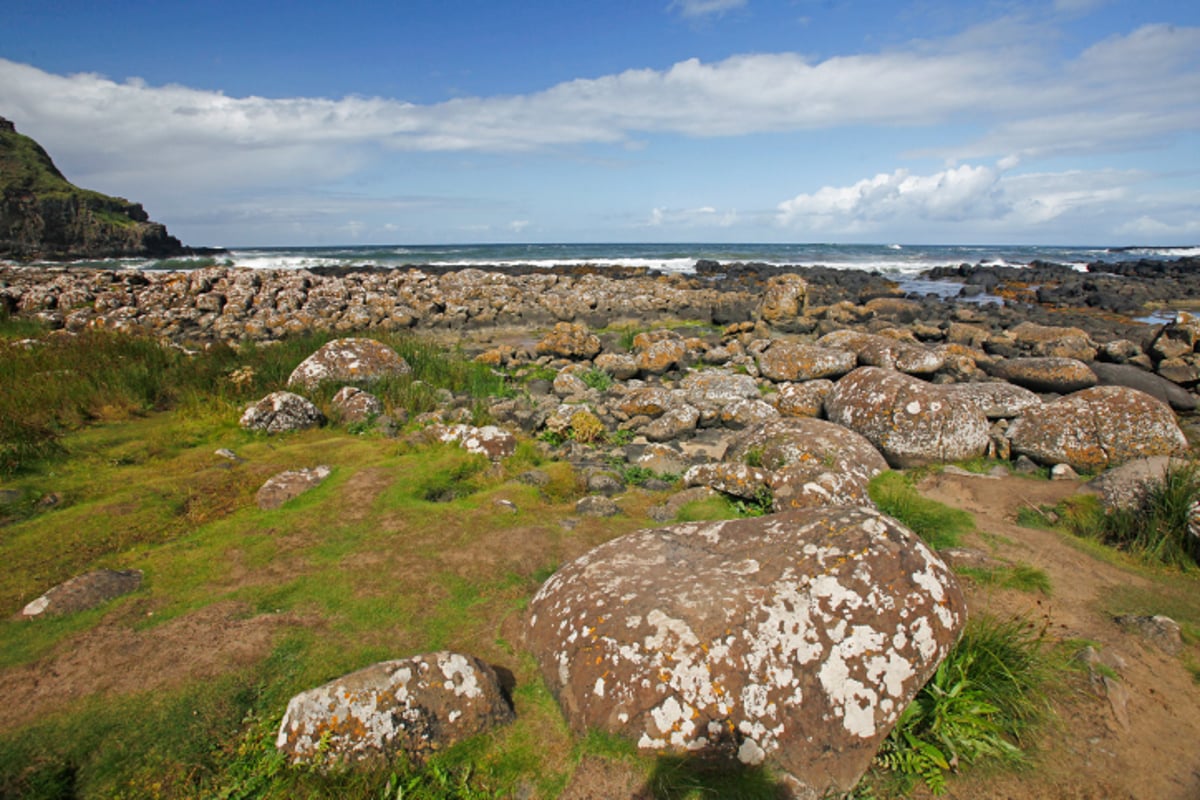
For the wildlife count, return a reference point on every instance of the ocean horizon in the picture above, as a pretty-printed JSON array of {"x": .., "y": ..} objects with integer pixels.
[{"x": 900, "y": 260}]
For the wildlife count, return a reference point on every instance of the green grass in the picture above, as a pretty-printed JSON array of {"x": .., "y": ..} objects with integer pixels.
[
  {"x": 937, "y": 524},
  {"x": 985, "y": 699},
  {"x": 1021, "y": 577}
]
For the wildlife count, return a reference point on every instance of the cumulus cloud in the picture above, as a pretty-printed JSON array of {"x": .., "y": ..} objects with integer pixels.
[{"x": 984, "y": 196}]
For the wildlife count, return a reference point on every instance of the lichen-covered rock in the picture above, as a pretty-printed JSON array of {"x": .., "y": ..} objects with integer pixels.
[
  {"x": 884, "y": 351},
  {"x": 805, "y": 399},
  {"x": 794, "y": 639},
  {"x": 1156, "y": 386},
  {"x": 783, "y": 300},
  {"x": 717, "y": 387},
  {"x": 1059, "y": 375},
  {"x": 648, "y": 401},
  {"x": 282, "y": 412},
  {"x": 84, "y": 592},
  {"x": 1124, "y": 486},
  {"x": 489, "y": 440},
  {"x": 349, "y": 361},
  {"x": 352, "y": 404},
  {"x": 913, "y": 423},
  {"x": 411, "y": 707},
  {"x": 1097, "y": 428},
  {"x": 741, "y": 414},
  {"x": 621, "y": 366},
  {"x": 732, "y": 478},
  {"x": 674, "y": 423},
  {"x": 810, "y": 462},
  {"x": 286, "y": 485},
  {"x": 996, "y": 399},
  {"x": 570, "y": 340},
  {"x": 662, "y": 355},
  {"x": 1054, "y": 341},
  {"x": 792, "y": 361}
]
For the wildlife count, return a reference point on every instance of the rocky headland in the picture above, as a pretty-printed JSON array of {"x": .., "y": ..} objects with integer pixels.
[{"x": 45, "y": 217}]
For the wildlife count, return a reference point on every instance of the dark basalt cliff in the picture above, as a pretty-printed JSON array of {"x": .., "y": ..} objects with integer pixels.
[{"x": 45, "y": 216}]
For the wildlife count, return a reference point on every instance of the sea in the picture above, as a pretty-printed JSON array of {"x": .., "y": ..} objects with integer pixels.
[{"x": 896, "y": 260}]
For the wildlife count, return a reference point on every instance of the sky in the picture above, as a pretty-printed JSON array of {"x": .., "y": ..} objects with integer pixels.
[{"x": 1068, "y": 122}]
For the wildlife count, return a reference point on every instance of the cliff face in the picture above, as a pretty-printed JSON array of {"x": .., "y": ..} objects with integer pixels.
[{"x": 44, "y": 216}]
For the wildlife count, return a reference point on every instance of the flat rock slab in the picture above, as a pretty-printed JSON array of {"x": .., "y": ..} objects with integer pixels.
[
  {"x": 413, "y": 707},
  {"x": 794, "y": 639},
  {"x": 84, "y": 592},
  {"x": 287, "y": 485}
]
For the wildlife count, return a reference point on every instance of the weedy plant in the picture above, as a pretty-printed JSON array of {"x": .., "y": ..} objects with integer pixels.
[{"x": 980, "y": 705}]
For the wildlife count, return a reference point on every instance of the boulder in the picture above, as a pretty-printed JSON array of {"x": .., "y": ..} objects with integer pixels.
[
  {"x": 412, "y": 707},
  {"x": 1055, "y": 341},
  {"x": 793, "y": 640},
  {"x": 913, "y": 423},
  {"x": 662, "y": 355},
  {"x": 570, "y": 340},
  {"x": 1097, "y": 428},
  {"x": 805, "y": 399},
  {"x": 740, "y": 414},
  {"x": 791, "y": 361},
  {"x": 648, "y": 401},
  {"x": 810, "y": 462},
  {"x": 1124, "y": 486},
  {"x": 83, "y": 592},
  {"x": 286, "y": 485},
  {"x": 783, "y": 300},
  {"x": 354, "y": 405},
  {"x": 673, "y": 424},
  {"x": 1058, "y": 375},
  {"x": 884, "y": 351},
  {"x": 282, "y": 412},
  {"x": 349, "y": 361},
  {"x": 1156, "y": 386},
  {"x": 996, "y": 399},
  {"x": 717, "y": 387},
  {"x": 489, "y": 440},
  {"x": 732, "y": 478},
  {"x": 621, "y": 366}
]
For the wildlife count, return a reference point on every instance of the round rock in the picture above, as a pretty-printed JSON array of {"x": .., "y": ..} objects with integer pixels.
[
  {"x": 1058, "y": 375},
  {"x": 281, "y": 412},
  {"x": 349, "y": 361},
  {"x": 794, "y": 639}
]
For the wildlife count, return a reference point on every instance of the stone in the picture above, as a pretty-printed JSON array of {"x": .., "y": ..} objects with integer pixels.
[
  {"x": 349, "y": 361},
  {"x": 1058, "y": 375},
  {"x": 662, "y": 459},
  {"x": 648, "y": 401},
  {"x": 739, "y": 480},
  {"x": 1156, "y": 386},
  {"x": 717, "y": 387},
  {"x": 489, "y": 440},
  {"x": 570, "y": 340},
  {"x": 1097, "y": 428},
  {"x": 791, "y": 361},
  {"x": 1125, "y": 485},
  {"x": 1063, "y": 472},
  {"x": 662, "y": 355},
  {"x": 784, "y": 299},
  {"x": 669, "y": 509},
  {"x": 568, "y": 384},
  {"x": 352, "y": 404},
  {"x": 996, "y": 399},
  {"x": 621, "y": 366},
  {"x": 282, "y": 412},
  {"x": 412, "y": 708},
  {"x": 287, "y": 485},
  {"x": 911, "y": 422},
  {"x": 884, "y": 351},
  {"x": 1161, "y": 631},
  {"x": 793, "y": 640},
  {"x": 673, "y": 424},
  {"x": 805, "y": 399},
  {"x": 810, "y": 462},
  {"x": 740, "y": 414},
  {"x": 83, "y": 592},
  {"x": 1054, "y": 341},
  {"x": 597, "y": 506}
]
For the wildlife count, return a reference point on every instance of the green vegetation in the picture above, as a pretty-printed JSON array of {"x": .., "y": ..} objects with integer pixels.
[
  {"x": 980, "y": 705},
  {"x": 1021, "y": 577},
  {"x": 937, "y": 524}
]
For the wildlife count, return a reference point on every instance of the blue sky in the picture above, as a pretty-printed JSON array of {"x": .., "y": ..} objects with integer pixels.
[{"x": 1056, "y": 122}]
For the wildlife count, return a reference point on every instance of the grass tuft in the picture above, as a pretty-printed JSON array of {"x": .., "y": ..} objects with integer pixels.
[{"x": 937, "y": 524}]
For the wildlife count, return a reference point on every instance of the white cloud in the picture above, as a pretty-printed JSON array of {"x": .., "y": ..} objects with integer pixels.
[
  {"x": 988, "y": 198},
  {"x": 702, "y": 217},
  {"x": 518, "y": 225},
  {"x": 704, "y": 8}
]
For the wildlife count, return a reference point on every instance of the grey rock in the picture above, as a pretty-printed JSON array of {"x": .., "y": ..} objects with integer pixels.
[
  {"x": 288, "y": 485},
  {"x": 282, "y": 412},
  {"x": 83, "y": 592}
]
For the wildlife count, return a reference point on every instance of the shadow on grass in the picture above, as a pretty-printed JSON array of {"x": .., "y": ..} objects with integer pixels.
[{"x": 680, "y": 777}]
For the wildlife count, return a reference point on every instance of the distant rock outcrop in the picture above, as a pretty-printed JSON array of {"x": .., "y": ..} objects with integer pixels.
[{"x": 44, "y": 216}]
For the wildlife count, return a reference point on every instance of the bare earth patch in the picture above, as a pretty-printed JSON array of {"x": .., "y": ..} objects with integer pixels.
[{"x": 113, "y": 658}]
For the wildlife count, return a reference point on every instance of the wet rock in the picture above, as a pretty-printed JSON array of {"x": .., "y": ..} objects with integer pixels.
[
  {"x": 348, "y": 361},
  {"x": 287, "y": 485},
  {"x": 1058, "y": 375},
  {"x": 793, "y": 640},
  {"x": 1097, "y": 428},
  {"x": 84, "y": 592},
  {"x": 352, "y": 404},
  {"x": 1156, "y": 386},
  {"x": 282, "y": 412},
  {"x": 911, "y": 422},
  {"x": 412, "y": 708}
]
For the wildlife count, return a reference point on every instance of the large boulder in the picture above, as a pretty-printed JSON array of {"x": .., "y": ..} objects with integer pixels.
[
  {"x": 913, "y": 423},
  {"x": 349, "y": 361},
  {"x": 805, "y": 399},
  {"x": 811, "y": 462},
  {"x": 1049, "y": 374},
  {"x": 570, "y": 340},
  {"x": 282, "y": 412},
  {"x": 784, "y": 299},
  {"x": 1097, "y": 428},
  {"x": 996, "y": 399},
  {"x": 794, "y": 639},
  {"x": 411, "y": 707},
  {"x": 1156, "y": 386}
]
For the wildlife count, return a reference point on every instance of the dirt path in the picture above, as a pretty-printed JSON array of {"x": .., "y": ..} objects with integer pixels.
[{"x": 1136, "y": 737}]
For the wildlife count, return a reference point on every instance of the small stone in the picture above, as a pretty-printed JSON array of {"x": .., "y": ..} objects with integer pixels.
[
  {"x": 1063, "y": 472},
  {"x": 597, "y": 506}
]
